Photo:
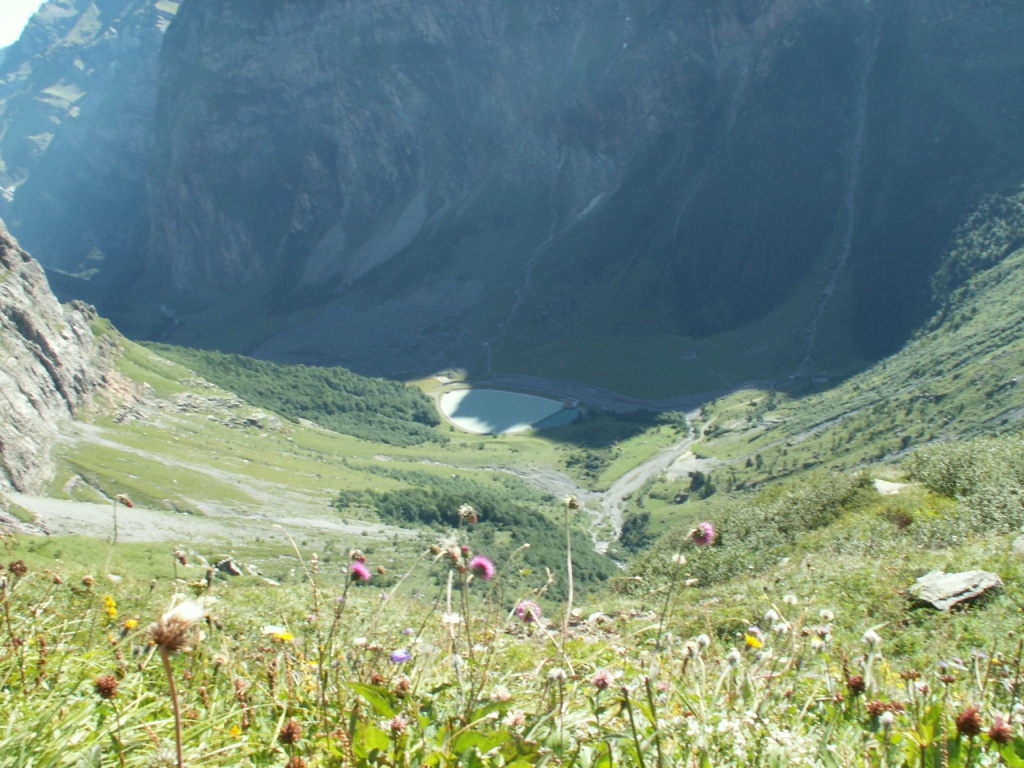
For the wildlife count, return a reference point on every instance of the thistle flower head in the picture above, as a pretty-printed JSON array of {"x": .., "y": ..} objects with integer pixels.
[
  {"x": 399, "y": 655},
  {"x": 1000, "y": 732},
  {"x": 358, "y": 571},
  {"x": 398, "y": 725},
  {"x": 528, "y": 611},
  {"x": 603, "y": 679},
  {"x": 501, "y": 693},
  {"x": 482, "y": 567},
  {"x": 871, "y": 639},
  {"x": 467, "y": 514},
  {"x": 703, "y": 534},
  {"x": 571, "y": 502},
  {"x": 171, "y": 631}
]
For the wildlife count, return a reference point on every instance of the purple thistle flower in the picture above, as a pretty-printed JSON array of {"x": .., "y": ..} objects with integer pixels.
[
  {"x": 400, "y": 655},
  {"x": 528, "y": 611},
  {"x": 703, "y": 534},
  {"x": 359, "y": 571},
  {"x": 482, "y": 567},
  {"x": 603, "y": 679}
]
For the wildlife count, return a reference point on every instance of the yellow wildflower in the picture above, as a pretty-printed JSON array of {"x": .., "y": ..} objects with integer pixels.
[
  {"x": 110, "y": 607},
  {"x": 753, "y": 641}
]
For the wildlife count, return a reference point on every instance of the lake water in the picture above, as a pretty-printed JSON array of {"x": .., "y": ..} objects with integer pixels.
[{"x": 495, "y": 411}]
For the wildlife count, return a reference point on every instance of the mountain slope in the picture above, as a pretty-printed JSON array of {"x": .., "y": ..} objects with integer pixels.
[
  {"x": 77, "y": 96},
  {"x": 661, "y": 198},
  {"x": 771, "y": 183}
]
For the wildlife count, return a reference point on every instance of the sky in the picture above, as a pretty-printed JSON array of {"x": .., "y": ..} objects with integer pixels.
[{"x": 14, "y": 14}]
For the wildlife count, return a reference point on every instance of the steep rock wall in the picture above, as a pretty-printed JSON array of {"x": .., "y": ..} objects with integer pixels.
[{"x": 52, "y": 365}]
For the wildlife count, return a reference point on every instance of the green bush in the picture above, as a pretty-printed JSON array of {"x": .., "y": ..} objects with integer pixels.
[{"x": 335, "y": 398}]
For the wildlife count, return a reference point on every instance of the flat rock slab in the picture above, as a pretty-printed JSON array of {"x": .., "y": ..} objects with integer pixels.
[
  {"x": 1018, "y": 545},
  {"x": 944, "y": 590}
]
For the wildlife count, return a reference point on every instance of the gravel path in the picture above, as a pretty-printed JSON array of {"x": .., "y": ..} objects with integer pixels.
[{"x": 64, "y": 517}]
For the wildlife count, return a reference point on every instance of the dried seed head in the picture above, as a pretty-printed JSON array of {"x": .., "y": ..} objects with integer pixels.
[
  {"x": 1000, "y": 732},
  {"x": 856, "y": 685},
  {"x": 968, "y": 722},
  {"x": 106, "y": 686},
  {"x": 290, "y": 733}
]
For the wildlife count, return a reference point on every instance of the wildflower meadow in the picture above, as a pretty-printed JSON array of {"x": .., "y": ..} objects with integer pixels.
[{"x": 335, "y": 671}]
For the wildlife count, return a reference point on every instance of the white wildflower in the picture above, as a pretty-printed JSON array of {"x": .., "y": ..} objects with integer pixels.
[{"x": 500, "y": 693}]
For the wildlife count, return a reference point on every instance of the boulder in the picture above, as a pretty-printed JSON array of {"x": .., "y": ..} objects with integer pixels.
[
  {"x": 944, "y": 590},
  {"x": 229, "y": 566},
  {"x": 1018, "y": 546}
]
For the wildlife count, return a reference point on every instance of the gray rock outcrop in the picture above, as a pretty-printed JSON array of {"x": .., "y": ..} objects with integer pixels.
[
  {"x": 53, "y": 362},
  {"x": 945, "y": 590}
]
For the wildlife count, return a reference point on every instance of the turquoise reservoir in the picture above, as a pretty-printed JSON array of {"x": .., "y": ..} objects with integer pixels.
[{"x": 495, "y": 411}]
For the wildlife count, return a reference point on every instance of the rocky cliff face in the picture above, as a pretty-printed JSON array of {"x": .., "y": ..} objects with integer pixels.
[
  {"x": 53, "y": 363},
  {"x": 405, "y": 185},
  {"x": 450, "y": 178},
  {"x": 77, "y": 96}
]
